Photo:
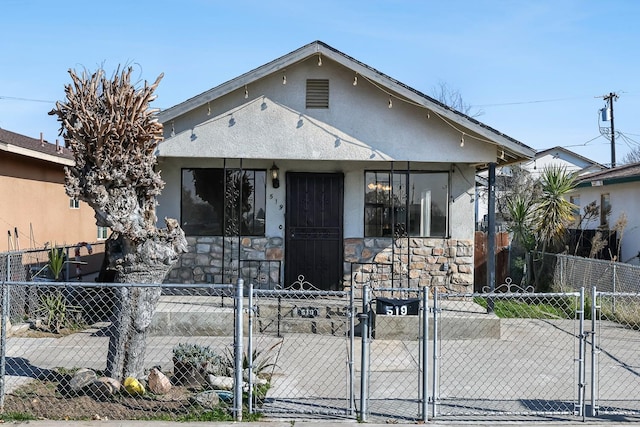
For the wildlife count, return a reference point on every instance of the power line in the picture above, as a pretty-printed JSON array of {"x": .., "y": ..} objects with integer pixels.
[
  {"x": 539, "y": 101},
  {"x": 14, "y": 98}
]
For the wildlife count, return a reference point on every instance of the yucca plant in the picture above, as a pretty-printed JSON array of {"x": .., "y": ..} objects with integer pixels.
[{"x": 553, "y": 212}]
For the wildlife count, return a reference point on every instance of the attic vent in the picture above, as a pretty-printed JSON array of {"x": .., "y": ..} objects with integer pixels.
[{"x": 317, "y": 93}]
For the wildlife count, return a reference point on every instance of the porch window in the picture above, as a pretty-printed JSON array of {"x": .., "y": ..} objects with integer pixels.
[
  {"x": 219, "y": 202},
  {"x": 406, "y": 204}
]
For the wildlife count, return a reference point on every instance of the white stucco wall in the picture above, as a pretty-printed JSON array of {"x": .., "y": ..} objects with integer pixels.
[
  {"x": 273, "y": 122},
  {"x": 624, "y": 199}
]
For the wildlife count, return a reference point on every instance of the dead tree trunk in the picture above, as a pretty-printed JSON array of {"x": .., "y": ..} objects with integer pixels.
[{"x": 136, "y": 305}]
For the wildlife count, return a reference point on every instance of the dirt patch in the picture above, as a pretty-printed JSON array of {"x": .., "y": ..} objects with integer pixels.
[{"x": 43, "y": 400}]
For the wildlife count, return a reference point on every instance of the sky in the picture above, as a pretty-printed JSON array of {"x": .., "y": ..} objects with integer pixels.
[{"x": 534, "y": 70}]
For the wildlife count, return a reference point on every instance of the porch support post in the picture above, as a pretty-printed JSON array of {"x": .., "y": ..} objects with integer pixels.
[{"x": 491, "y": 235}]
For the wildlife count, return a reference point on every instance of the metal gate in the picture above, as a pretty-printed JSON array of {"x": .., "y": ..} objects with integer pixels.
[
  {"x": 508, "y": 354},
  {"x": 615, "y": 354},
  {"x": 300, "y": 341},
  {"x": 393, "y": 378}
]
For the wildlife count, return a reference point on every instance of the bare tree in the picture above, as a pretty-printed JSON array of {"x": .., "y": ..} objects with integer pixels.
[
  {"x": 113, "y": 134},
  {"x": 453, "y": 98},
  {"x": 632, "y": 156}
]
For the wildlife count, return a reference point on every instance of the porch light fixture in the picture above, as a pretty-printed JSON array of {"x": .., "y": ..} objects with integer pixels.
[{"x": 275, "y": 179}]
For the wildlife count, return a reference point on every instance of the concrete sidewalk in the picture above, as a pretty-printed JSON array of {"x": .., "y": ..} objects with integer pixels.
[{"x": 276, "y": 423}]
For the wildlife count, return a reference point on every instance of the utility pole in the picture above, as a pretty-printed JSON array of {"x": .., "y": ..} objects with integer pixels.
[{"x": 607, "y": 115}]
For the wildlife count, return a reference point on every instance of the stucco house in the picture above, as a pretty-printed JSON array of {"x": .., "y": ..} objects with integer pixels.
[
  {"x": 616, "y": 191},
  {"x": 316, "y": 170},
  {"x": 34, "y": 202}
]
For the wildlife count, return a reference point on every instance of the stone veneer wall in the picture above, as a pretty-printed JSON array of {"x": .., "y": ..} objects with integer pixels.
[
  {"x": 204, "y": 263},
  {"x": 417, "y": 262},
  {"x": 446, "y": 263}
]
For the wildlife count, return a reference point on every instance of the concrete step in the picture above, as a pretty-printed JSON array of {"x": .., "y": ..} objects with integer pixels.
[{"x": 211, "y": 316}]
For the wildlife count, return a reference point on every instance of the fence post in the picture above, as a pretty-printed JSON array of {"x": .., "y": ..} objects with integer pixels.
[
  {"x": 364, "y": 360},
  {"x": 581, "y": 356},
  {"x": 237, "y": 385},
  {"x": 434, "y": 388},
  {"x": 614, "y": 287},
  {"x": 425, "y": 352},
  {"x": 250, "y": 345},
  {"x": 594, "y": 351},
  {"x": 3, "y": 342},
  {"x": 352, "y": 326}
]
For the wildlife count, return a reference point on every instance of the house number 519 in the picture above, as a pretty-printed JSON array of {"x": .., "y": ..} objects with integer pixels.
[{"x": 396, "y": 310}]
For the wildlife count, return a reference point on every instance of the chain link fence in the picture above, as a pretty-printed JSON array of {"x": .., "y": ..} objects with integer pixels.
[
  {"x": 395, "y": 353},
  {"x": 300, "y": 340},
  {"x": 572, "y": 272},
  {"x": 79, "y": 262},
  {"x": 615, "y": 354},
  {"x": 370, "y": 353},
  {"x": 507, "y": 354},
  {"x": 57, "y": 364}
]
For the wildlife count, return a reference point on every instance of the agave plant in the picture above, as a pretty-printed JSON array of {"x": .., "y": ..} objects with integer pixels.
[{"x": 56, "y": 262}]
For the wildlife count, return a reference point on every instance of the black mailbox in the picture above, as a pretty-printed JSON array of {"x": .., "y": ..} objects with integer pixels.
[{"x": 398, "y": 306}]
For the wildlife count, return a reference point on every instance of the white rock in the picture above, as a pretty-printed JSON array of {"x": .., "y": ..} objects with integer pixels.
[{"x": 221, "y": 383}]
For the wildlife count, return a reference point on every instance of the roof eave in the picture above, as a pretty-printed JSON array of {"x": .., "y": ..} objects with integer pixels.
[{"x": 14, "y": 149}]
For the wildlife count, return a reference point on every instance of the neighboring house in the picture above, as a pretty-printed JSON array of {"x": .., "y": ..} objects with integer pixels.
[
  {"x": 346, "y": 172},
  {"x": 559, "y": 156},
  {"x": 556, "y": 156},
  {"x": 34, "y": 208},
  {"x": 617, "y": 192}
]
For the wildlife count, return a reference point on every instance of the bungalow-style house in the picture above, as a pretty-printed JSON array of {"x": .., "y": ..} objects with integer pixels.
[
  {"x": 34, "y": 208},
  {"x": 616, "y": 191},
  {"x": 316, "y": 170}
]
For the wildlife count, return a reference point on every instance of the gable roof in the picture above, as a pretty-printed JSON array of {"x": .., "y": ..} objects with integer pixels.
[
  {"x": 16, "y": 143},
  {"x": 570, "y": 153},
  {"x": 511, "y": 149},
  {"x": 617, "y": 175}
]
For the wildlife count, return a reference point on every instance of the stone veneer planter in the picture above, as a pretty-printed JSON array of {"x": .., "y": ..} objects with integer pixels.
[
  {"x": 417, "y": 262},
  {"x": 206, "y": 257}
]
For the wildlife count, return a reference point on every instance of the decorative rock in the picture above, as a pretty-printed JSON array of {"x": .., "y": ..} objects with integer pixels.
[
  {"x": 81, "y": 379},
  {"x": 208, "y": 399},
  {"x": 133, "y": 386},
  {"x": 113, "y": 383},
  {"x": 255, "y": 380},
  {"x": 222, "y": 383},
  {"x": 99, "y": 390},
  {"x": 158, "y": 382}
]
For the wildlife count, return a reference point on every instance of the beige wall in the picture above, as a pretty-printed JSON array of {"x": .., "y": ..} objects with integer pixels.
[{"x": 32, "y": 197}]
